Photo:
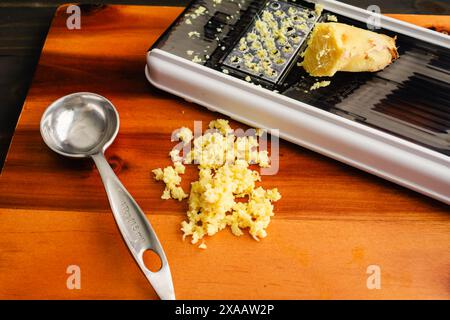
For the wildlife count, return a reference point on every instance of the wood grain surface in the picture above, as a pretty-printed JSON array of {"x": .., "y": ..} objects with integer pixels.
[{"x": 331, "y": 224}]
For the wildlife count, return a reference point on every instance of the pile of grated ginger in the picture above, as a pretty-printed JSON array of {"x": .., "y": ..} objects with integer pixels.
[{"x": 225, "y": 193}]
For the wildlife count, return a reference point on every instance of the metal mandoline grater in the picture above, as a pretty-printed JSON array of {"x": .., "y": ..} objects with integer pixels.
[{"x": 394, "y": 123}]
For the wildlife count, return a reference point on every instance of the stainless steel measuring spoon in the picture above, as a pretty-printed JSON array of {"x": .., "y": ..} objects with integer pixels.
[{"x": 83, "y": 125}]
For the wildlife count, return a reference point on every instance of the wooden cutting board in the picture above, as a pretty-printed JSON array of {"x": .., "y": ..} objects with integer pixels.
[{"x": 331, "y": 225}]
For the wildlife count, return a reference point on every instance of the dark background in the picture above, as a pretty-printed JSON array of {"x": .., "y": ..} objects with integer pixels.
[{"x": 24, "y": 25}]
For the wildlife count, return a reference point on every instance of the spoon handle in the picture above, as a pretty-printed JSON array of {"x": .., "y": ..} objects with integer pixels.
[{"x": 135, "y": 228}]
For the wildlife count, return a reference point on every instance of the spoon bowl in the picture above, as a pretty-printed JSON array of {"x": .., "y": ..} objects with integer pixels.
[{"x": 80, "y": 125}]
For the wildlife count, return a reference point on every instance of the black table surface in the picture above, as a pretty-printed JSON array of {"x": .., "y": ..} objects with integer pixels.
[{"x": 24, "y": 25}]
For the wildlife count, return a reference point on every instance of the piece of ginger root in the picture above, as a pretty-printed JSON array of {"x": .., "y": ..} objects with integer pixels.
[{"x": 336, "y": 47}]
